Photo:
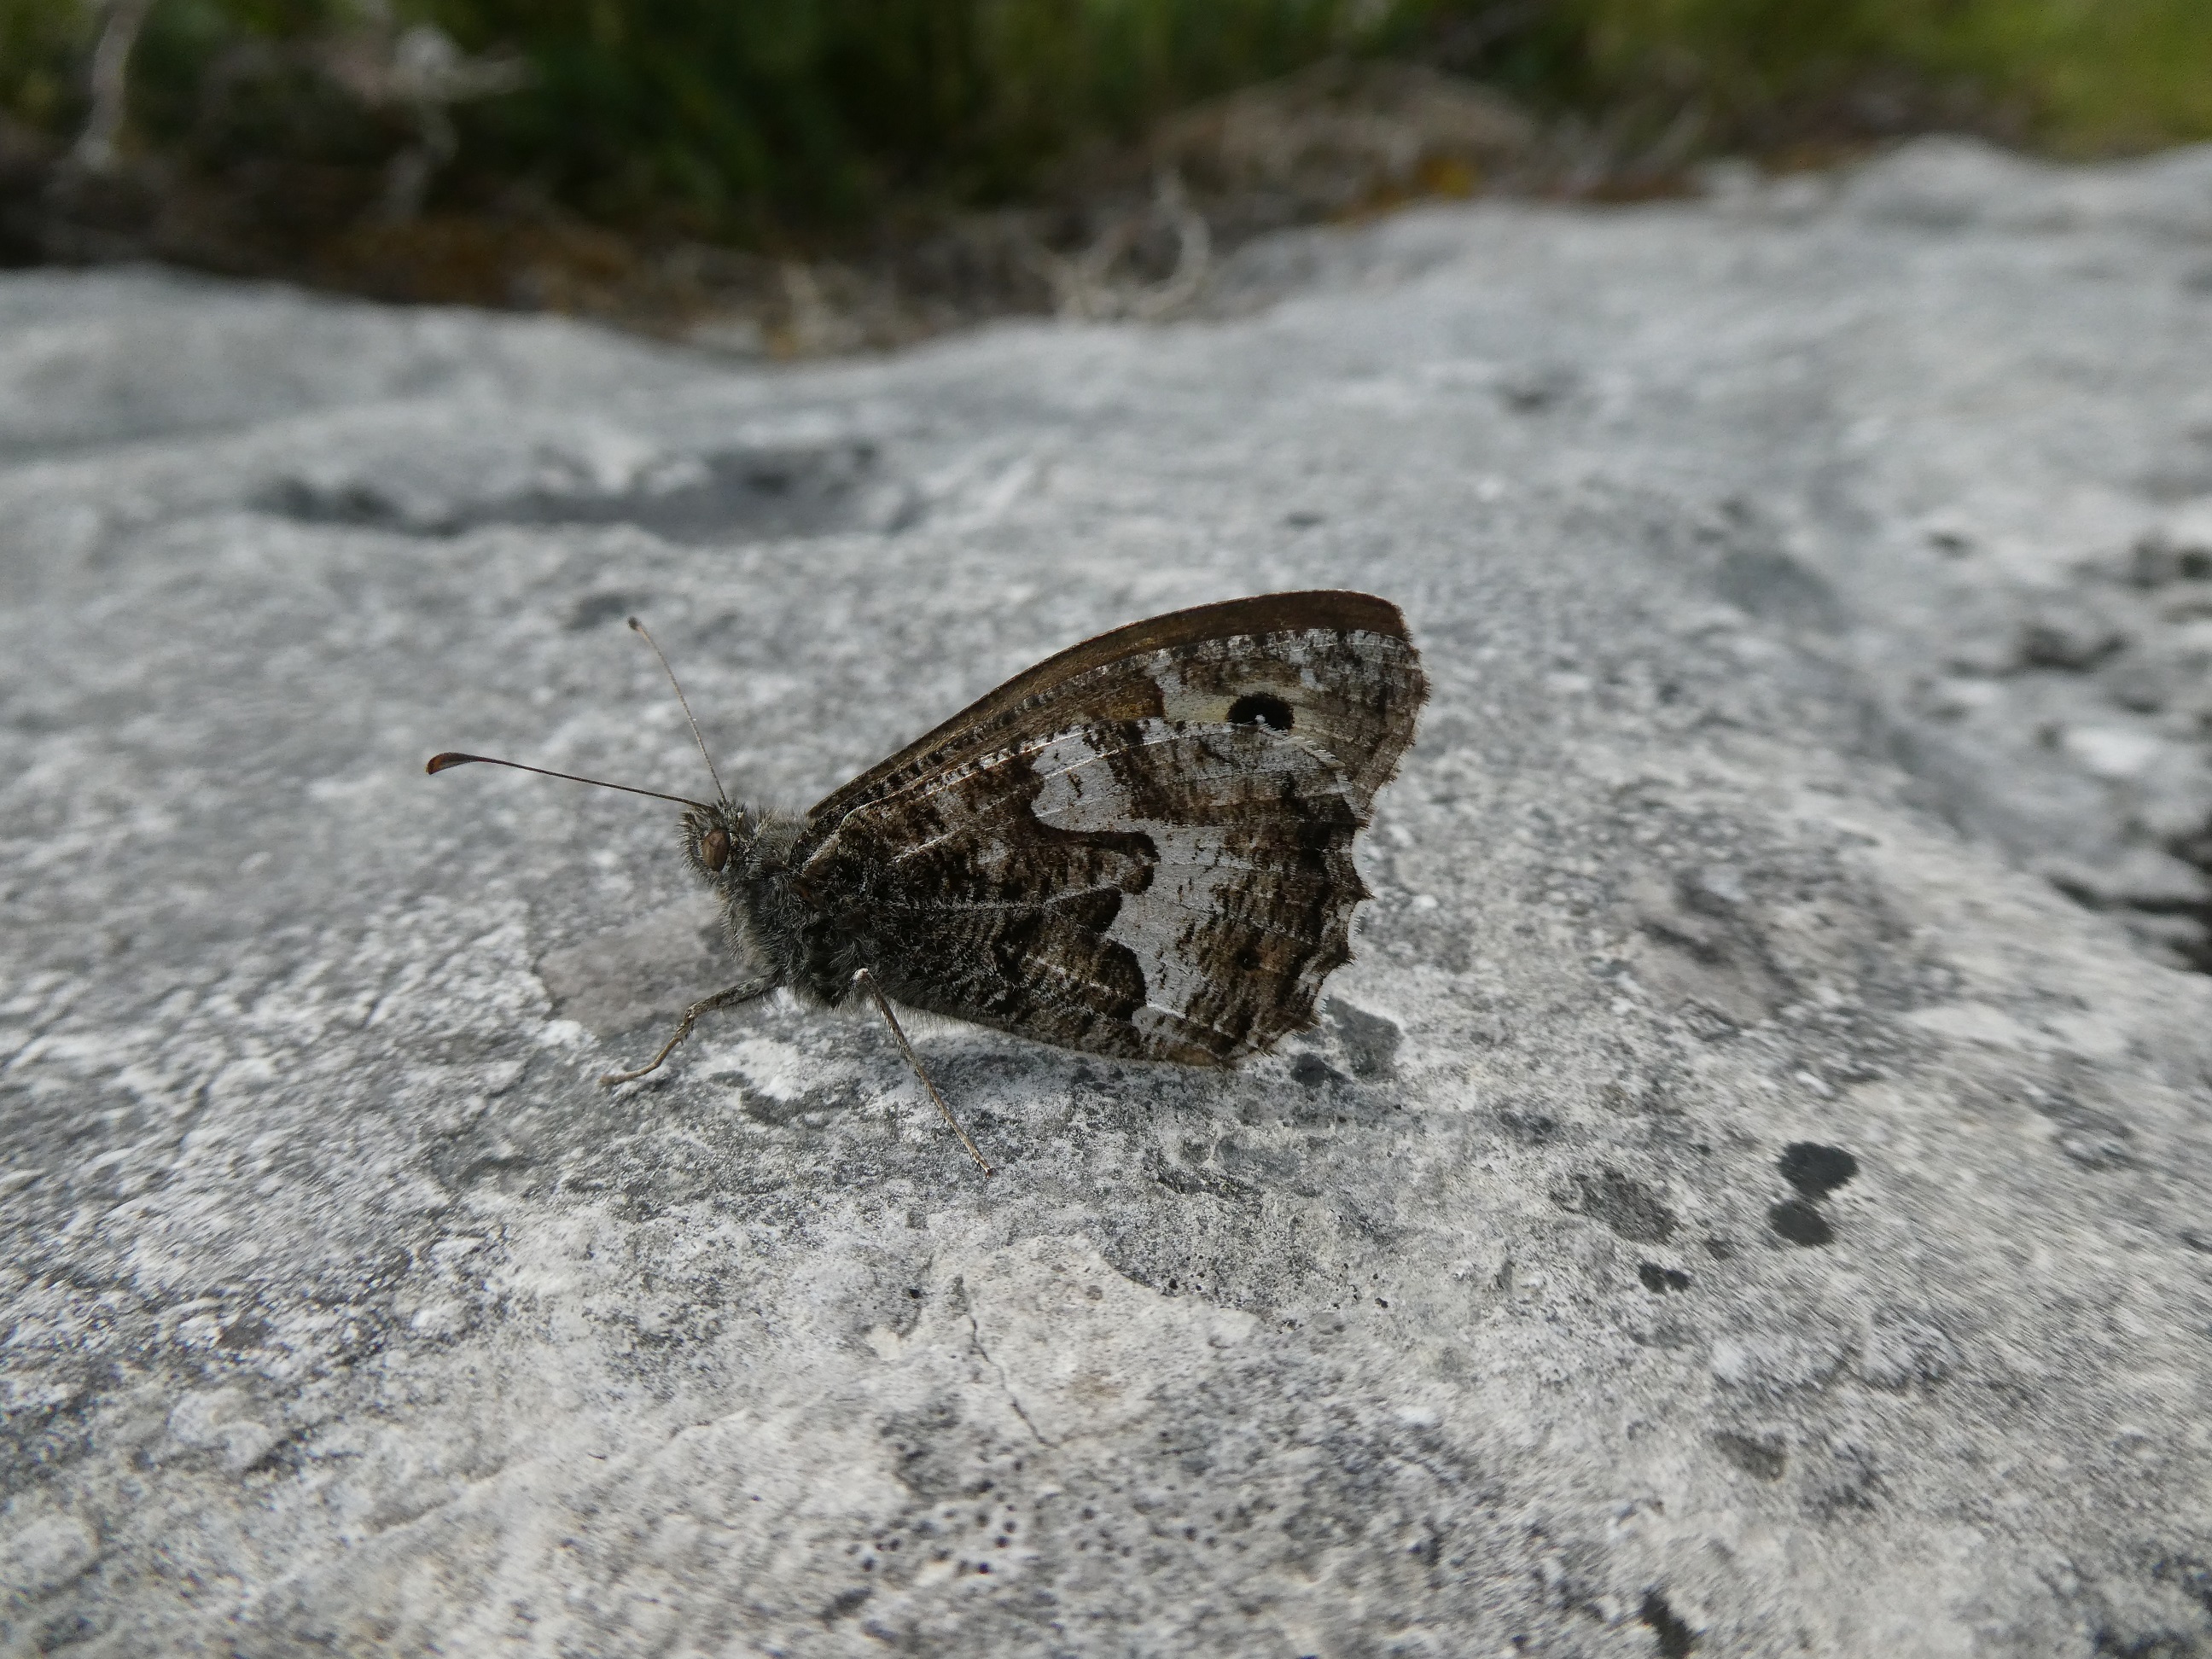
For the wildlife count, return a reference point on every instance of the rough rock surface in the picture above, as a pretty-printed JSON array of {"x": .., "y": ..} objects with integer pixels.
[{"x": 1735, "y": 1203}]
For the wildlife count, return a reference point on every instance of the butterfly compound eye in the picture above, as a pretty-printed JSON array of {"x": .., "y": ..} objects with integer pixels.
[{"x": 715, "y": 848}]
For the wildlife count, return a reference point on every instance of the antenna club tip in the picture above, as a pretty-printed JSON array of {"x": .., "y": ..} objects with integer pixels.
[
  {"x": 439, "y": 763},
  {"x": 636, "y": 626}
]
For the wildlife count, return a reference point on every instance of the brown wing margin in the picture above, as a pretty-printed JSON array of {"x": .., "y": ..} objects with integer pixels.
[{"x": 1263, "y": 613}]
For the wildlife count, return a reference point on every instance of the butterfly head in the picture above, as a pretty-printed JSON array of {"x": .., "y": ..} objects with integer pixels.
[{"x": 717, "y": 840}]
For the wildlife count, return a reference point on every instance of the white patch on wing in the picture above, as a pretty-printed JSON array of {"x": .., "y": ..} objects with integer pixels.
[{"x": 1160, "y": 926}]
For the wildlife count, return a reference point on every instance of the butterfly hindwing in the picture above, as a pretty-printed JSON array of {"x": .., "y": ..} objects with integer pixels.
[{"x": 1142, "y": 846}]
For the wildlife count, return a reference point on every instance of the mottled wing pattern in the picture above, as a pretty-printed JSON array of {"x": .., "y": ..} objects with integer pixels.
[{"x": 1141, "y": 847}]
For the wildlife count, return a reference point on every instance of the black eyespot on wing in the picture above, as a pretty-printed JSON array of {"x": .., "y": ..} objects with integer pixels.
[{"x": 1260, "y": 708}]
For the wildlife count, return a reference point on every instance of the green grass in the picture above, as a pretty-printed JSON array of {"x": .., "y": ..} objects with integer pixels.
[
  {"x": 742, "y": 118},
  {"x": 2083, "y": 76},
  {"x": 42, "y": 47},
  {"x": 815, "y": 108}
]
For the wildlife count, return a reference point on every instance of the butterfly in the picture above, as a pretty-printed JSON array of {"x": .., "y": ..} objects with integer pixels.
[{"x": 1140, "y": 847}]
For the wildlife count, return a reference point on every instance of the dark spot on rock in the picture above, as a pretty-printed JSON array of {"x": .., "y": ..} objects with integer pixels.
[
  {"x": 65, "y": 1631},
  {"x": 594, "y": 609},
  {"x": 1852, "y": 1500},
  {"x": 2192, "y": 1576},
  {"x": 768, "y": 1109},
  {"x": 1622, "y": 1205},
  {"x": 1533, "y": 1126},
  {"x": 2159, "y": 559},
  {"x": 1707, "y": 1022},
  {"x": 1800, "y": 1223},
  {"x": 349, "y": 503},
  {"x": 1714, "y": 889},
  {"x": 1659, "y": 1280},
  {"x": 1816, "y": 1170},
  {"x": 2094, "y": 1140},
  {"x": 2139, "y": 688},
  {"x": 2158, "y": 1644},
  {"x": 2068, "y": 640},
  {"x": 1719, "y": 1248},
  {"x": 1303, "y": 519},
  {"x": 1761, "y": 1459},
  {"x": 846, "y": 1603},
  {"x": 702, "y": 499},
  {"x": 1371, "y": 1041},
  {"x": 1206, "y": 1183},
  {"x": 1676, "y": 1639},
  {"x": 1313, "y": 1070},
  {"x": 1260, "y": 708},
  {"x": 1633, "y": 1094},
  {"x": 1768, "y": 582},
  {"x": 1536, "y": 387},
  {"x": 2197, "y": 1238}
]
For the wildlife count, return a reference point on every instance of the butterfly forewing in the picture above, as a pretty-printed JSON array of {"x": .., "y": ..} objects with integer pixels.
[
  {"x": 1112, "y": 677},
  {"x": 1143, "y": 846}
]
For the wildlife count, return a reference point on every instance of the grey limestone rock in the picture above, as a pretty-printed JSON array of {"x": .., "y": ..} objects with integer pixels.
[{"x": 1735, "y": 1203}]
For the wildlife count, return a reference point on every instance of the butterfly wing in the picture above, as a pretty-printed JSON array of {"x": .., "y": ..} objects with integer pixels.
[{"x": 1142, "y": 846}]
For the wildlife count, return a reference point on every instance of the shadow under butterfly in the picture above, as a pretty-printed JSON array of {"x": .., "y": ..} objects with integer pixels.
[{"x": 1140, "y": 847}]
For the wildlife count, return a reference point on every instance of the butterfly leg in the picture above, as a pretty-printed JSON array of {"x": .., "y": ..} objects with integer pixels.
[
  {"x": 729, "y": 998},
  {"x": 864, "y": 977}
]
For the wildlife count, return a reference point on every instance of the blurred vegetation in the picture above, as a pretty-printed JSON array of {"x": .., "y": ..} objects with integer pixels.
[
  {"x": 814, "y": 108},
  {"x": 291, "y": 136},
  {"x": 738, "y": 115},
  {"x": 2077, "y": 76}
]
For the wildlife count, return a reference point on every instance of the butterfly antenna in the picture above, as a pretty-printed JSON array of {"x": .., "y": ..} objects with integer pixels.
[
  {"x": 638, "y": 627},
  {"x": 441, "y": 762}
]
